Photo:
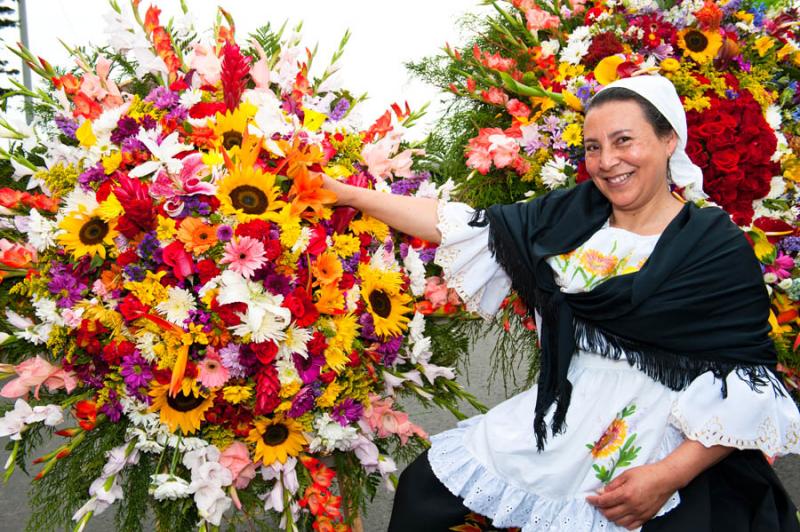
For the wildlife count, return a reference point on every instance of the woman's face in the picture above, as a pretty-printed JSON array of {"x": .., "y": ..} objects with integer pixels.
[{"x": 624, "y": 157}]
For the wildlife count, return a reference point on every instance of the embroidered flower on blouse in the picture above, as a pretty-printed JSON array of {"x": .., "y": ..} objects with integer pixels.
[
  {"x": 611, "y": 440},
  {"x": 598, "y": 263}
]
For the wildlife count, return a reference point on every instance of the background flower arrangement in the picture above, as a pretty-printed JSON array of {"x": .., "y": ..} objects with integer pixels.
[
  {"x": 175, "y": 279},
  {"x": 520, "y": 83}
]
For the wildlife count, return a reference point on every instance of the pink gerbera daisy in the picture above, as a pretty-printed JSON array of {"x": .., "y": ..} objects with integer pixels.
[
  {"x": 212, "y": 373},
  {"x": 245, "y": 255}
]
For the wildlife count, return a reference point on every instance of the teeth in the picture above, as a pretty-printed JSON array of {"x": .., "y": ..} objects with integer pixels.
[{"x": 619, "y": 179}]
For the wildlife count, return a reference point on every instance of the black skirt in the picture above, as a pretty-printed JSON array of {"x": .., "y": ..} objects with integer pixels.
[{"x": 740, "y": 494}]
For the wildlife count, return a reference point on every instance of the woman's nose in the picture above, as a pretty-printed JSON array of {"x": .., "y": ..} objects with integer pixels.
[{"x": 607, "y": 159}]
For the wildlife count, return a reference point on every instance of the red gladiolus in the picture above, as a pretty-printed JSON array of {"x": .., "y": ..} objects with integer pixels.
[
  {"x": 234, "y": 76},
  {"x": 86, "y": 414}
]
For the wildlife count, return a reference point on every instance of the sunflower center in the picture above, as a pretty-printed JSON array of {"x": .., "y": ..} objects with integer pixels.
[
  {"x": 695, "y": 41},
  {"x": 275, "y": 435},
  {"x": 249, "y": 199},
  {"x": 184, "y": 403},
  {"x": 231, "y": 139},
  {"x": 381, "y": 304},
  {"x": 93, "y": 232}
]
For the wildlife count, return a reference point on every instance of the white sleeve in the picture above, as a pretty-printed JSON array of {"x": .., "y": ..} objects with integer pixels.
[
  {"x": 468, "y": 265},
  {"x": 748, "y": 418}
]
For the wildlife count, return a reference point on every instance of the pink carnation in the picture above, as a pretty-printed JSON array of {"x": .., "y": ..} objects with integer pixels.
[{"x": 539, "y": 19}]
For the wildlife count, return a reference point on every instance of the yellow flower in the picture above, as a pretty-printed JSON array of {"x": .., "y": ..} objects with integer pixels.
[
  {"x": 330, "y": 299},
  {"x": 763, "y": 44},
  {"x": 166, "y": 228},
  {"x": 786, "y": 49},
  {"x": 110, "y": 209},
  {"x": 329, "y": 396},
  {"x": 697, "y": 104},
  {"x": 276, "y": 439},
  {"x": 290, "y": 389},
  {"x": 572, "y": 101},
  {"x": 111, "y": 162},
  {"x": 373, "y": 226},
  {"x": 230, "y": 127},
  {"x": 744, "y": 16},
  {"x": 185, "y": 411},
  {"x": 345, "y": 245},
  {"x": 86, "y": 234},
  {"x": 237, "y": 394},
  {"x": 249, "y": 194},
  {"x": 572, "y": 135},
  {"x": 568, "y": 71},
  {"x": 597, "y": 263},
  {"x": 313, "y": 120},
  {"x": 386, "y": 302},
  {"x": 611, "y": 440},
  {"x": 149, "y": 290},
  {"x": 336, "y": 358},
  {"x": 670, "y": 65},
  {"x": 347, "y": 327},
  {"x": 85, "y": 135},
  {"x": 702, "y": 46},
  {"x": 606, "y": 70}
]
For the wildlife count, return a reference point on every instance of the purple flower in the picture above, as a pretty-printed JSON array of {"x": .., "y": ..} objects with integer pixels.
[
  {"x": 136, "y": 372},
  {"x": 163, "y": 98},
  {"x": 278, "y": 284},
  {"x": 179, "y": 114},
  {"x": 132, "y": 144},
  {"x": 194, "y": 205},
  {"x": 350, "y": 264},
  {"x": 389, "y": 350},
  {"x": 229, "y": 355},
  {"x": 65, "y": 284},
  {"x": 94, "y": 175},
  {"x": 134, "y": 272},
  {"x": 303, "y": 401},
  {"x": 224, "y": 233},
  {"x": 791, "y": 244},
  {"x": 427, "y": 255},
  {"x": 341, "y": 108},
  {"x": 347, "y": 411},
  {"x": 113, "y": 408},
  {"x": 148, "y": 122},
  {"x": 126, "y": 127},
  {"x": 406, "y": 187},
  {"x": 309, "y": 367},
  {"x": 67, "y": 125}
]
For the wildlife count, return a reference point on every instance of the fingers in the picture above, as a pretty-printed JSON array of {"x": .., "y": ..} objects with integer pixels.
[{"x": 608, "y": 499}]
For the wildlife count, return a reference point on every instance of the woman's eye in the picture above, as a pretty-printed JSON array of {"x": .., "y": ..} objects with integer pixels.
[
  {"x": 590, "y": 148},
  {"x": 623, "y": 140}
]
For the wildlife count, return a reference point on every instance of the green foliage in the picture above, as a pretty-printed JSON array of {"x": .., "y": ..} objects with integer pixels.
[
  {"x": 133, "y": 507},
  {"x": 56, "y": 496}
]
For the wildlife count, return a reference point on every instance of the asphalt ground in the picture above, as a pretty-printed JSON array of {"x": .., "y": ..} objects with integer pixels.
[{"x": 14, "y": 509}]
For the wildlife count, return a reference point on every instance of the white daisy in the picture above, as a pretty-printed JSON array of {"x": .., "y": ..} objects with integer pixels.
[{"x": 178, "y": 305}]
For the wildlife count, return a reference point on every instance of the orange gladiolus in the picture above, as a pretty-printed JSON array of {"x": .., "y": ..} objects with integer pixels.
[
  {"x": 307, "y": 192},
  {"x": 197, "y": 237}
]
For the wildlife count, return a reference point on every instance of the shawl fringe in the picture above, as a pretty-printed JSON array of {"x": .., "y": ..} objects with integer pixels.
[{"x": 674, "y": 371}]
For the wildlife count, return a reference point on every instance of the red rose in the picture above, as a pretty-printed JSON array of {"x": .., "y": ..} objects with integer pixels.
[
  {"x": 317, "y": 242},
  {"x": 258, "y": 229},
  {"x": 347, "y": 281},
  {"x": 302, "y": 307},
  {"x": 204, "y": 109},
  {"x": 726, "y": 160},
  {"x": 127, "y": 257},
  {"x": 317, "y": 345},
  {"x": 265, "y": 351},
  {"x": 207, "y": 270},
  {"x": 115, "y": 351},
  {"x": 229, "y": 313},
  {"x": 131, "y": 308}
]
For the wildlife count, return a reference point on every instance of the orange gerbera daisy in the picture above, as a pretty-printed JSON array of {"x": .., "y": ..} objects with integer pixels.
[
  {"x": 327, "y": 269},
  {"x": 197, "y": 237},
  {"x": 330, "y": 300}
]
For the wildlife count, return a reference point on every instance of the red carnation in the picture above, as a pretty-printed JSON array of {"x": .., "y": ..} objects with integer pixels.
[
  {"x": 302, "y": 307},
  {"x": 207, "y": 269},
  {"x": 603, "y": 45}
]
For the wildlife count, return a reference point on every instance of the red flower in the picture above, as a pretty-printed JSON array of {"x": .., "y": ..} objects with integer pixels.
[
  {"x": 267, "y": 388},
  {"x": 131, "y": 308},
  {"x": 206, "y": 270},
  {"x": 86, "y": 414},
  {"x": 603, "y": 45},
  {"x": 204, "y": 109},
  {"x": 138, "y": 205},
  {"x": 176, "y": 256},
  {"x": 302, "y": 307},
  {"x": 229, "y": 313},
  {"x": 234, "y": 76},
  {"x": 265, "y": 351}
]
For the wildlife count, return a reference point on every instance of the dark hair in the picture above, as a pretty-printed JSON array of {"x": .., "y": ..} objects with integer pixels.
[{"x": 660, "y": 124}]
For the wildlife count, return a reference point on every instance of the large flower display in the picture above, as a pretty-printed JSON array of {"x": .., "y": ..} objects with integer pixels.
[
  {"x": 522, "y": 80},
  {"x": 177, "y": 282}
]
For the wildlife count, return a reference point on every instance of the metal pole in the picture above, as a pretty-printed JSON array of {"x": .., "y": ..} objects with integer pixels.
[{"x": 26, "y": 71}]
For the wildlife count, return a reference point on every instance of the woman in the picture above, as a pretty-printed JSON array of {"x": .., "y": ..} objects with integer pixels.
[{"x": 657, "y": 394}]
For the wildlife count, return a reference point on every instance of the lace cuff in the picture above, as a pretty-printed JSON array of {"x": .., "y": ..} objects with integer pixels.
[
  {"x": 748, "y": 418},
  {"x": 468, "y": 265}
]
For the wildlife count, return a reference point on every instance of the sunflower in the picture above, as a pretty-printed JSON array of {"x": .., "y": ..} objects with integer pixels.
[
  {"x": 249, "y": 194},
  {"x": 185, "y": 410},
  {"x": 702, "y": 46},
  {"x": 229, "y": 128},
  {"x": 611, "y": 440},
  {"x": 86, "y": 234},
  {"x": 385, "y": 301},
  {"x": 276, "y": 439}
]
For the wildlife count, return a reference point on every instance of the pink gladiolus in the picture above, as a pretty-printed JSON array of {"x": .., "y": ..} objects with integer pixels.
[
  {"x": 539, "y": 19},
  {"x": 237, "y": 459},
  {"x": 385, "y": 421},
  {"x": 436, "y": 291},
  {"x": 33, "y": 373},
  {"x": 206, "y": 63}
]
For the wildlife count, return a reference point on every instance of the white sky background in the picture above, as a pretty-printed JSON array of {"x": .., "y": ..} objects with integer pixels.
[{"x": 385, "y": 35}]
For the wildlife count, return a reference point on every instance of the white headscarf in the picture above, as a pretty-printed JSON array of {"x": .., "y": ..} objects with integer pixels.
[{"x": 659, "y": 91}]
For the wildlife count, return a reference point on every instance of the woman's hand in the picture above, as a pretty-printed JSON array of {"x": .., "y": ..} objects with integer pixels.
[{"x": 636, "y": 495}]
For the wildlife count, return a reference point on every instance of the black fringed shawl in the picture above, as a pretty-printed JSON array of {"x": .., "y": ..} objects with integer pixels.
[{"x": 697, "y": 305}]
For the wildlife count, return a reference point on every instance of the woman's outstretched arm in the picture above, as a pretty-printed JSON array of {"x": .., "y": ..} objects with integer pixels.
[{"x": 411, "y": 215}]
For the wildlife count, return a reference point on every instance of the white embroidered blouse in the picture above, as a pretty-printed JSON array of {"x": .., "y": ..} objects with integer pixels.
[{"x": 618, "y": 417}]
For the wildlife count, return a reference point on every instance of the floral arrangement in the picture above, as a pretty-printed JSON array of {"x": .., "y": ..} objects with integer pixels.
[
  {"x": 522, "y": 81},
  {"x": 176, "y": 280}
]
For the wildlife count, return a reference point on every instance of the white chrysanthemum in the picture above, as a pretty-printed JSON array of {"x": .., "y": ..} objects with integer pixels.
[
  {"x": 146, "y": 342},
  {"x": 287, "y": 372},
  {"x": 40, "y": 231},
  {"x": 577, "y": 45},
  {"x": 296, "y": 341},
  {"x": 165, "y": 486},
  {"x": 302, "y": 241},
  {"x": 553, "y": 175},
  {"x": 178, "y": 305},
  {"x": 352, "y": 298},
  {"x": 550, "y": 47},
  {"x": 331, "y": 436},
  {"x": 773, "y": 117},
  {"x": 47, "y": 311},
  {"x": 416, "y": 271}
]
